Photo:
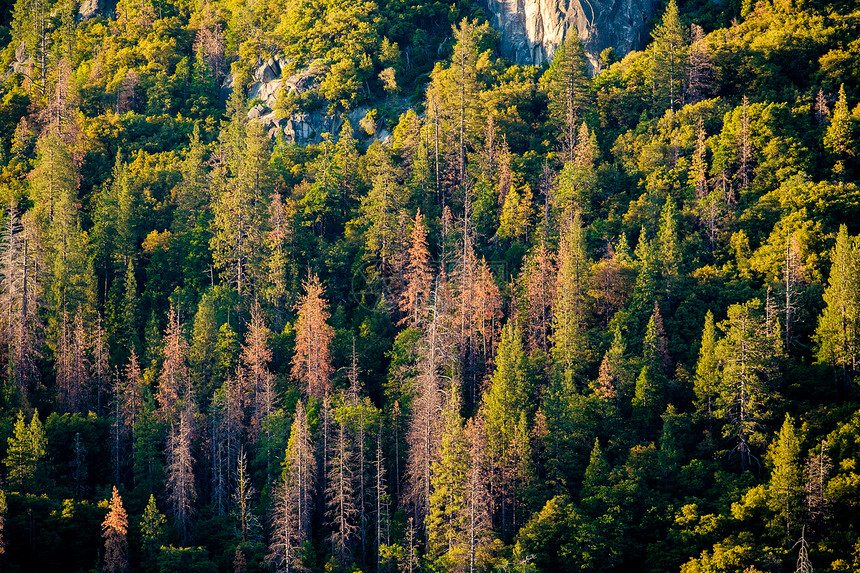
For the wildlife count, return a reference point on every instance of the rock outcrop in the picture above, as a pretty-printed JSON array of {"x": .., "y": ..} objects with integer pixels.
[
  {"x": 300, "y": 127},
  {"x": 531, "y": 30}
]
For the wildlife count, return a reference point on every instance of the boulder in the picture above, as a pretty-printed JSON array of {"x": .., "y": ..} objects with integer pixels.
[
  {"x": 89, "y": 9},
  {"x": 257, "y": 111},
  {"x": 267, "y": 71},
  {"x": 301, "y": 82},
  {"x": 531, "y": 30}
]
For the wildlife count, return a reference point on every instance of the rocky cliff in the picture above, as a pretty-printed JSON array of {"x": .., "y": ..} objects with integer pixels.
[{"x": 531, "y": 30}]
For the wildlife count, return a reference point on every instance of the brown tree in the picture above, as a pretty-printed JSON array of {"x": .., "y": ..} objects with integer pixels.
[
  {"x": 114, "y": 530},
  {"x": 174, "y": 381},
  {"x": 425, "y": 425},
  {"x": 71, "y": 363},
  {"x": 312, "y": 360},
  {"x": 180, "y": 471},
  {"x": 228, "y": 425},
  {"x": 20, "y": 291},
  {"x": 99, "y": 355},
  {"x": 419, "y": 278},
  {"x": 538, "y": 287},
  {"x": 209, "y": 44},
  {"x": 701, "y": 70},
  {"x": 478, "y": 502},
  {"x": 130, "y": 396},
  {"x": 292, "y": 511},
  {"x": 341, "y": 508},
  {"x": 80, "y": 363},
  {"x": 817, "y": 474},
  {"x": 256, "y": 355}
]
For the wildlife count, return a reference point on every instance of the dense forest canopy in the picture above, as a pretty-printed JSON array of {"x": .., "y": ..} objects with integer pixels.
[{"x": 314, "y": 285}]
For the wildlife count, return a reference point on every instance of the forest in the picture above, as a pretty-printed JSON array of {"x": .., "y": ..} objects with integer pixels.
[{"x": 422, "y": 308}]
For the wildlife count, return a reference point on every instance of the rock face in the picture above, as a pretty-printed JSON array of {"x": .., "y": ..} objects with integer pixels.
[
  {"x": 531, "y": 30},
  {"x": 300, "y": 127},
  {"x": 89, "y": 9}
]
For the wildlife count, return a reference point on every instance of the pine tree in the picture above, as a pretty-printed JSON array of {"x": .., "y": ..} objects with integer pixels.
[
  {"x": 538, "y": 283},
  {"x": 609, "y": 378},
  {"x": 80, "y": 379},
  {"x": 26, "y": 448},
  {"x": 566, "y": 84},
  {"x": 174, "y": 380},
  {"x": 569, "y": 319},
  {"x": 838, "y": 332},
  {"x": 505, "y": 411},
  {"x": 803, "y": 563},
  {"x": 312, "y": 360},
  {"x": 487, "y": 314},
  {"x": 837, "y": 138},
  {"x": 127, "y": 331},
  {"x": 381, "y": 206},
  {"x": 20, "y": 293},
  {"x": 669, "y": 249},
  {"x": 478, "y": 503},
  {"x": 180, "y": 471},
  {"x": 595, "y": 481},
  {"x": 67, "y": 390},
  {"x": 152, "y": 532},
  {"x": 114, "y": 530},
  {"x": 243, "y": 497},
  {"x": 292, "y": 512},
  {"x": 670, "y": 58},
  {"x": 256, "y": 355},
  {"x": 746, "y": 359},
  {"x": 341, "y": 509},
  {"x": 382, "y": 499},
  {"x": 99, "y": 361},
  {"x": 424, "y": 425},
  {"x": 785, "y": 491},
  {"x": 277, "y": 243},
  {"x": 577, "y": 181},
  {"x": 701, "y": 68},
  {"x": 745, "y": 149},
  {"x": 816, "y": 476},
  {"x": 54, "y": 190},
  {"x": 228, "y": 425},
  {"x": 464, "y": 77},
  {"x": 415, "y": 300},
  {"x": 239, "y": 211},
  {"x": 648, "y": 399},
  {"x": 646, "y": 286},
  {"x": 193, "y": 192},
  {"x": 706, "y": 380}
]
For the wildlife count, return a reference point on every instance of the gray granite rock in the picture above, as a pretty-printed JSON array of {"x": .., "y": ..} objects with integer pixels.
[{"x": 531, "y": 30}]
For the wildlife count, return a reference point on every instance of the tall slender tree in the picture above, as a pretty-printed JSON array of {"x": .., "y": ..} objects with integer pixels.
[
  {"x": 180, "y": 471},
  {"x": 415, "y": 300},
  {"x": 838, "y": 332},
  {"x": 174, "y": 381},
  {"x": 341, "y": 509},
  {"x": 747, "y": 354},
  {"x": 569, "y": 312},
  {"x": 312, "y": 360}
]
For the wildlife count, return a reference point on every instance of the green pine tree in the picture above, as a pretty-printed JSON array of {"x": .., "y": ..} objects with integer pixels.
[
  {"x": 786, "y": 489},
  {"x": 706, "y": 380},
  {"x": 26, "y": 448},
  {"x": 838, "y": 333}
]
